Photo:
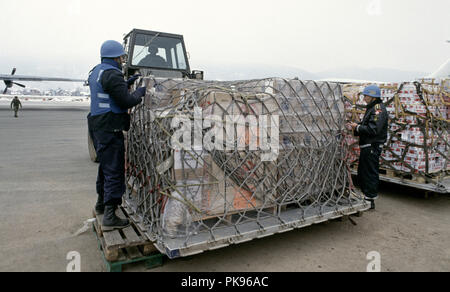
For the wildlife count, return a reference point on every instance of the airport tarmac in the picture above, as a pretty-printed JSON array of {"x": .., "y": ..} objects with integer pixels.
[{"x": 47, "y": 191}]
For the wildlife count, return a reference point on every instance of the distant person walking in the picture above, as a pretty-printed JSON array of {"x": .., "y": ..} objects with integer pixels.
[{"x": 15, "y": 104}]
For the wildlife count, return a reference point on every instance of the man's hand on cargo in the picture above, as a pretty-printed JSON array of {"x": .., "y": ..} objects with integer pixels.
[
  {"x": 352, "y": 126},
  {"x": 133, "y": 79},
  {"x": 141, "y": 91}
]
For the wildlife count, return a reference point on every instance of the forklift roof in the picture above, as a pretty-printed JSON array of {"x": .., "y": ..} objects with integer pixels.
[{"x": 150, "y": 32}]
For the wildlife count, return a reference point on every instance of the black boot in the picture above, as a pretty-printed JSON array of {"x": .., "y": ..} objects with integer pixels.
[
  {"x": 372, "y": 203},
  {"x": 111, "y": 221},
  {"x": 371, "y": 200},
  {"x": 100, "y": 206}
]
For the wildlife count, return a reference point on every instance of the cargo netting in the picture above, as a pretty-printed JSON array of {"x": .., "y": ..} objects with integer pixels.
[
  {"x": 418, "y": 141},
  {"x": 204, "y": 157}
]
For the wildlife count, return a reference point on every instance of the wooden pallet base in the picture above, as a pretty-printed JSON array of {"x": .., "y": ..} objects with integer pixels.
[
  {"x": 405, "y": 176},
  {"x": 125, "y": 246},
  {"x": 151, "y": 261}
]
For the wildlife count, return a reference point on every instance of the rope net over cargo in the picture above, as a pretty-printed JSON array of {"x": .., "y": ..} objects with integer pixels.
[{"x": 212, "y": 158}]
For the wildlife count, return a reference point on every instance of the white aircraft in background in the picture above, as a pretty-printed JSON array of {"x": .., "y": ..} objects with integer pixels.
[
  {"x": 9, "y": 79},
  {"x": 442, "y": 73}
]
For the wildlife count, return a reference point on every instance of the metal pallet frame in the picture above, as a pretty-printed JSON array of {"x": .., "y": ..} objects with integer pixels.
[{"x": 226, "y": 236}]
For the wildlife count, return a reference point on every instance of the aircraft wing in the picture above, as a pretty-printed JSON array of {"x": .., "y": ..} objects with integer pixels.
[{"x": 37, "y": 78}]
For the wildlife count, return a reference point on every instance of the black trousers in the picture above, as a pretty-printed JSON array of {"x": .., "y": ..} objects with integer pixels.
[
  {"x": 369, "y": 170},
  {"x": 111, "y": 171}
]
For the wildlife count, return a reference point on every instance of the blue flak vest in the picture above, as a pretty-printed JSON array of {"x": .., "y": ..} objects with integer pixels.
[{"x": 101, "y": 102}]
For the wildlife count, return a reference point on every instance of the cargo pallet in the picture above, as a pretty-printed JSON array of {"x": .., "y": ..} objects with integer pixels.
[
  {"x": 126, "y": 246},
  {"x": 413, "y": 180}
]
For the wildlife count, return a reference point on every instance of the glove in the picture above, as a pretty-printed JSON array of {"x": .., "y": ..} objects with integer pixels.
[
  {"x": 133, "y": 79},
  {"x": 141, "y": 91}
]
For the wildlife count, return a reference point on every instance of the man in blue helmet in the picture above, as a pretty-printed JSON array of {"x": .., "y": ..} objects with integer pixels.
[
  {"x": 372, "y": 132},
  {"x": 110, "y": 101}
]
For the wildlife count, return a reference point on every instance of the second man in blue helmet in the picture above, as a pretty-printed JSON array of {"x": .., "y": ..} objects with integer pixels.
[
  {"x": 372, "y": 132},
  {"x": 110, "y": 101}
]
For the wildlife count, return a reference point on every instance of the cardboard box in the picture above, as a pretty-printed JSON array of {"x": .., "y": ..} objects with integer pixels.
[
  {"x": 210, "y": 189},
  {"x": 223, "y": 195},
  {"x": 298, "y": 173},
  {"x": 190, "y": 165},
  {"x": 160, "y": 93},
  {"x": 306, "y": 123},
  {"x": 233, "y": 103}
]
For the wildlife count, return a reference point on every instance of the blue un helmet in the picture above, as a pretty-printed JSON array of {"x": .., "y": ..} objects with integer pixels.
[
  {"x": 373, "y": 91},
  {"x": 112, "y": 49}
]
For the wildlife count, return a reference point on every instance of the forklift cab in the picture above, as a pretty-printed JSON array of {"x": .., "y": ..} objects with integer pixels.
[{"x": 158, "y": 54}]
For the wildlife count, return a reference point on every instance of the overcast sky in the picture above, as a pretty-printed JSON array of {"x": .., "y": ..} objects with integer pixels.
[{"x": 54, "y": 36}]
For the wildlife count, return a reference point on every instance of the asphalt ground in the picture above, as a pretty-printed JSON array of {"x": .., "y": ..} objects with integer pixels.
[{"x": 47, "y": 191}]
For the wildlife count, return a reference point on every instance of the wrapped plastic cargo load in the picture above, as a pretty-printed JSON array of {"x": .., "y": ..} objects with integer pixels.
[
  {"x": 417, "y": 152},
  {"x": 211, "y": 164}
]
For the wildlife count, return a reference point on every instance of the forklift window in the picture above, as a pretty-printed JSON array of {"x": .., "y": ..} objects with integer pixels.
[
  {"x": 158, "y": 52},
  {"x": 180, "y": 53}
]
